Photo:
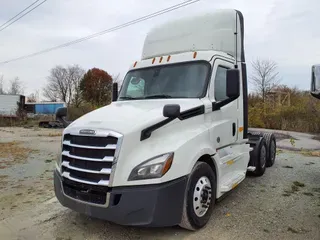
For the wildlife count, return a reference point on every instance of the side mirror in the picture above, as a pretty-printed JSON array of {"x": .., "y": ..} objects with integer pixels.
[
  {"x": 315, "y": 81},
  {"x": 171, "y": 110},
  {"x": 114, "y": 92},
  {"x": 233, "y": 83}
]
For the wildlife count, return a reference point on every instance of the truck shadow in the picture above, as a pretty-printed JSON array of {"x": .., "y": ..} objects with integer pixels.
[
  {"x": 72, "y": 225},
  {"x": 78, "y": 226}
]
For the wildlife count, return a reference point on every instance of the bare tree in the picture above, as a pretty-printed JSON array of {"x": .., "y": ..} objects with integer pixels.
[
  {"x": 57, "y": 86},
  {"x": 75, "y": 75},
  {"x": 16, "y": 86},
  {"x": 265, "y": 76},
  {"x": 64, "y": 84},
  {"x": 117, "y": 79},
  {"x": 33, "y": 97},
  {"x": 1, "y": 85}
]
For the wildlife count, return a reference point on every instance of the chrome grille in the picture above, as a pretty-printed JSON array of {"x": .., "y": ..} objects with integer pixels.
[
  {"x": 83, "y": 152},
  {"x": 89, "y": 159},
  {"x": 91, "y": 141}
]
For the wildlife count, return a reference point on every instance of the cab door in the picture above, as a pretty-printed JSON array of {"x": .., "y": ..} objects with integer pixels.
[{"x": 224, "y": 125}]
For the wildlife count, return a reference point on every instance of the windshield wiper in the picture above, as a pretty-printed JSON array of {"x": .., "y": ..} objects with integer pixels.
[
  {"x": 129, "y": 98},
  {"x": 158, "y": 96}
]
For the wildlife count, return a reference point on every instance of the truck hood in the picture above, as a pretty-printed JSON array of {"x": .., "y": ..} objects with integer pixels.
[{"x": 126, "y": 116}]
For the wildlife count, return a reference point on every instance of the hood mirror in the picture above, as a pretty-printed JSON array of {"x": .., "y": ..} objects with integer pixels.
[
  {"x": 171, "y": 111},
  {"x": 114, "y": 92}
]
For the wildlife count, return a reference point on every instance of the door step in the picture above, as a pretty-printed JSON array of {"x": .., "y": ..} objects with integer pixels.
[{"x": 232, "y": 183}]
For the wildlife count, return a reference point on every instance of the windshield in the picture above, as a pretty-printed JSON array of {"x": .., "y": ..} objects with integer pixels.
[{"x": 187, "y": 80}]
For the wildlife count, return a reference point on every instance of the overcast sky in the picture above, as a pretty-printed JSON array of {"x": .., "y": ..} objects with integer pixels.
[{"x": 286, "y": 31}]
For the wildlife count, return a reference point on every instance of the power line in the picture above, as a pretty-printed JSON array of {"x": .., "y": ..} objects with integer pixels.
[
  {"x": 4, "y": 26},
  {"x": 141, "y": 19},
  {"x": 19, "y": 13}
]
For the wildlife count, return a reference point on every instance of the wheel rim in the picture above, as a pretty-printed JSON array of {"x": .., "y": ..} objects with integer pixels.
[
  {"x": 202, "y": 196},
  {"x": 263, "y": 154},
  {"x": 273, "y": 151}
]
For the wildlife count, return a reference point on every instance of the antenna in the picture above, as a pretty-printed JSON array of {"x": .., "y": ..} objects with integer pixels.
[{"x": 236, "y": 41}]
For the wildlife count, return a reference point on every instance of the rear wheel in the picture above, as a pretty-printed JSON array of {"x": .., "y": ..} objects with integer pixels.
[
  {"x": 271, "y": 148},
  {"x": 199, "y": 197},
  {"x": 260, "y": 158}
]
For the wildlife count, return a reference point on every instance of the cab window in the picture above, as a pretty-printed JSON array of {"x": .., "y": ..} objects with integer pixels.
[{"x": 220, "y": 84}]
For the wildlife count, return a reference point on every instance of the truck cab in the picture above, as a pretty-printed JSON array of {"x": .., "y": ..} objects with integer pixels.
[{"x": 176, "y": 139}]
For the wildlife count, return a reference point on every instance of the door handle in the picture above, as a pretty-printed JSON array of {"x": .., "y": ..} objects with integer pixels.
[{"x": 233, "y": 129}]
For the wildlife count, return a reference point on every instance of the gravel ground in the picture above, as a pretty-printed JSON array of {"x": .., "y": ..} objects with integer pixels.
[{"x": 282, "y": 204}]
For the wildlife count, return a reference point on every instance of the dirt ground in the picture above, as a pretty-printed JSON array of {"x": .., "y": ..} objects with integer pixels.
[{"x": 282, "y": 204}]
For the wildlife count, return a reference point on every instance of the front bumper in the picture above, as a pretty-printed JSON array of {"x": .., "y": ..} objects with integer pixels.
[{"x": 154, "y": 206}]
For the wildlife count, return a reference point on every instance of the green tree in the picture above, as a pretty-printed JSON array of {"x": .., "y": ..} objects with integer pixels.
[{"x": 96, "y": 87}]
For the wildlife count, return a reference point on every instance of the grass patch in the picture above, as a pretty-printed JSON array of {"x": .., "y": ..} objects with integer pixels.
[
  {"x": 286, "y": 194},
  {"x": 50, "y": 135},
  {"x": 7, "y": 131},
  {"x": 317, "y": 190},
  {"x": 297, "y": 231},
  {"x": 308, "y": 194},
  {"x": 295, "y": 187},
  {"x": 290, "y": 229},
  {"x": 310, "y": 163},
  {"x": 299, "y": 184},
  {"x": 310, "y": 153},
  {"x": 317, "y": 137},
  {"x": 3, "y": 176},
  {"x": 287, "y": 166},
  {"x": 17, "y": 122},
  {"x": 13, "y": 153}
]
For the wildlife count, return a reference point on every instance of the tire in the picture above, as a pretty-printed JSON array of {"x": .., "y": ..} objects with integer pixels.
[
  {"x": 201, "y": 176},
  {"x": 271, "y": 148},
  {"x": 260, "y": 160}
]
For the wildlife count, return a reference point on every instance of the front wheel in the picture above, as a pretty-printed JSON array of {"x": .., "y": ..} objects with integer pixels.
[{"x": 199, "y": 197}]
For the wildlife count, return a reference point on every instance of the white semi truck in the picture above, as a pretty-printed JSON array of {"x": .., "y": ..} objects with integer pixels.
[
  {"x": 315, "y": 81},
  {"x": 176, "y": 138}
]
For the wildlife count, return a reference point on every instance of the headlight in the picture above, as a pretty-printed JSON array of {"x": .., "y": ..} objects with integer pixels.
[{"x": 153, "y": 168}]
